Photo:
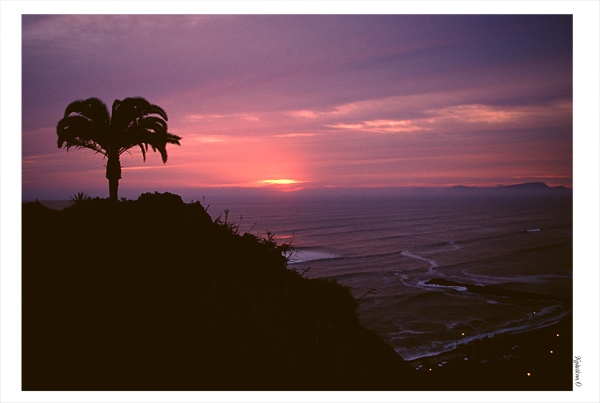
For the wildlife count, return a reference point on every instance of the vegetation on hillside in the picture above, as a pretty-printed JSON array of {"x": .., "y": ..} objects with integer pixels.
[{"x": 154, "y": 294}]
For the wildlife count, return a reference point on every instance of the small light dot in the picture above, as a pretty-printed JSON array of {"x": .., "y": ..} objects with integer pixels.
[
  {"x": 529, "y": 374},
  {"x": 557, "y": 334},
  {"x": 551, "y": 352},
  {"x": 430, "y": 369}
]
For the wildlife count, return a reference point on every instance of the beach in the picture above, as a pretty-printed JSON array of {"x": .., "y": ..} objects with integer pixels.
[{"x": 538, "y": 359}]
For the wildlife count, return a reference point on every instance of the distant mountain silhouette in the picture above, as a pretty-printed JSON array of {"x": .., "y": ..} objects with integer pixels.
[
  {"x": 521, "y": 189},
  {"x": 528, "y": 185}
]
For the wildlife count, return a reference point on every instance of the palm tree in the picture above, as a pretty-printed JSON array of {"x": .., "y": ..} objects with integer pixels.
[{"x": 133, "y": 122}]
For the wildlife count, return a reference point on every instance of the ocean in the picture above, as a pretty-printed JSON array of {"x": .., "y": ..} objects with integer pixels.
[{"x": 387, "y": 248}]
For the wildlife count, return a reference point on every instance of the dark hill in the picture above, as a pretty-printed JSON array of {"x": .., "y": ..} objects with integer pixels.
[{"x": 153, "y": 294}]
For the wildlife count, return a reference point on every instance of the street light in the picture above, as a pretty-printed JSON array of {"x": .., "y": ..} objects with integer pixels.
[
  {"x": 462, "y": 334},
  {"x": 456, "y": 345}
]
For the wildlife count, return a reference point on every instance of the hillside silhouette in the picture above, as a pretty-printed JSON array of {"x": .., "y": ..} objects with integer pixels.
[{"x": 154, "y": 294}]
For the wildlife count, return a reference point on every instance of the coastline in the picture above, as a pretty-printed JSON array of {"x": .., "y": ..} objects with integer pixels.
[
  {"x": 538, "y": 359},
  {"x": 466, "y": 349}
]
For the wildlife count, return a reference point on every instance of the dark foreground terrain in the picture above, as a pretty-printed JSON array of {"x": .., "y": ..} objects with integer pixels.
[{"x": 154, "y": 294}]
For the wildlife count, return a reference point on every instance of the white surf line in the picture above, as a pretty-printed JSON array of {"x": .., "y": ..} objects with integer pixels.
[
  {"x": 451, "y": 243},
  {"x": 531, "y": 279},
  {"x": 430, "y": 261}
]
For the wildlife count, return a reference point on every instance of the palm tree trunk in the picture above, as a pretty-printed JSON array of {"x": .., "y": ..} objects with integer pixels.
[
  {"x": 113, "y": 189},
  {"x": 113, "y": 174}
]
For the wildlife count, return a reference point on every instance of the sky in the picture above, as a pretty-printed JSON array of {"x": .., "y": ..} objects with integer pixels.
[{"x": 295, "y": 102}]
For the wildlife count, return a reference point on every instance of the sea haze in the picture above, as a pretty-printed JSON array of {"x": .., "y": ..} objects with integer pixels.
[{"x": 386, "y": 248}]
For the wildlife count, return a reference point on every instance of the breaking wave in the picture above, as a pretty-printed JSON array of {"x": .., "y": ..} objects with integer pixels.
[{"x": 306, "y": 255}]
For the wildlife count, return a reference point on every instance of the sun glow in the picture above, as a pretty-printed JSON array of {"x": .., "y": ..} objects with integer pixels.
[{"x": 279, "y": 182}]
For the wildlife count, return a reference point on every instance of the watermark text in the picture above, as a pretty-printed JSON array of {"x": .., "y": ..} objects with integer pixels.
[{"x": 577, "y": 362}]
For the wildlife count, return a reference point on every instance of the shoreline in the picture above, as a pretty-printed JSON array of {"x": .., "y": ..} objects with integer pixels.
[
  {"x": 464, "y": 348},
  {"x": 538, "y": 359}
]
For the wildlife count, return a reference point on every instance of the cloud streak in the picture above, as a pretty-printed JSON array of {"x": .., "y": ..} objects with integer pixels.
[{"x": 330, "y": 100}]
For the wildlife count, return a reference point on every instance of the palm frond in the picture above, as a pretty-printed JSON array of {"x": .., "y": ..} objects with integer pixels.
[
  {"x": 144, "y": 139},
  {"x": 129, "y": 112},
  {"x": 152, "y": 122},
  {"x": 145, "y": 108},
  {"x": 173, "y": 139},
  {"x": 92, "y": 109},
  {"x": 76, "y": 143},
  {"x": 84, "y": 125},
  {"x": 157, "y": 110},
  {"x": 143, "y": 151},
  {"x": 151, "y": 131},
  {"x": 134, "y": 122},
  {"x": 79, "y": 132}
]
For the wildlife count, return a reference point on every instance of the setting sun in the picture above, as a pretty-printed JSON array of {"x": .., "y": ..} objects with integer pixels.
[{"x": 279, "y": 182}]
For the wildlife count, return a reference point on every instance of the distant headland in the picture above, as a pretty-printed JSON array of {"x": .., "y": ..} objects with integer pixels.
[{"x": 529, "y": 189}]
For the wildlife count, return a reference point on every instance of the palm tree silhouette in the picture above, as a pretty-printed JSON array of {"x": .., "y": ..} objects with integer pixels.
[{"x": 133, "y": 122}]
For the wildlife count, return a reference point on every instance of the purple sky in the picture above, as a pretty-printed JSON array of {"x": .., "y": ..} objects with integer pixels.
[{"x": 307, "y": 101}]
